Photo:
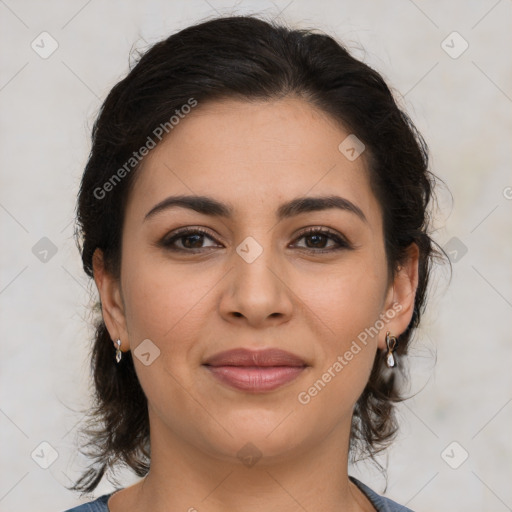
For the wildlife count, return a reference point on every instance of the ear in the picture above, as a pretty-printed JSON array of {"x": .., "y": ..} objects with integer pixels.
[
  {"x": 112, "y": 306},
  {"x": 399, "y": 303}
]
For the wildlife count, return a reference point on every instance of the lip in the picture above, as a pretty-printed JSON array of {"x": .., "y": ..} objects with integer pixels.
[
  {"x": 247, "y": 357},
  {"x": 255, "y": 371}
]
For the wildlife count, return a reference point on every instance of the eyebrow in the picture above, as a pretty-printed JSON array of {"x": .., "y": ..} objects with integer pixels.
[{"x": 209, "y": 206}]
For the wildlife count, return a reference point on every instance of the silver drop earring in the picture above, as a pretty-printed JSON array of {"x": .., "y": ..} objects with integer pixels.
[
  {"x": 119, "y": 354},
  {"x": 391, "y": 343}
]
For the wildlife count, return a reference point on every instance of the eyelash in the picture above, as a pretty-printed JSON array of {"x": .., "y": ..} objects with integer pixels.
[{"x": 183, "y": 233}]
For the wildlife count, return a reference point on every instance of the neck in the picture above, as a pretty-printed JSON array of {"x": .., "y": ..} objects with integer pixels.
[{"x": 186, "y": 477}]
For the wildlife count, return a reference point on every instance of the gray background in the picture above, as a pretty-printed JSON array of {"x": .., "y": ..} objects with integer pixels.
[{"x": 461, "y": 102}]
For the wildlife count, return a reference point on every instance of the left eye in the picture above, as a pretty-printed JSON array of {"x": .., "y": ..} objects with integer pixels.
[
  {"x": 192, "y": 240},
  {"x": 320, "y": 236}
]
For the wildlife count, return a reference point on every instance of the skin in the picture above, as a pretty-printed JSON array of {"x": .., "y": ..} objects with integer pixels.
[{"x": 254, "y": 156}]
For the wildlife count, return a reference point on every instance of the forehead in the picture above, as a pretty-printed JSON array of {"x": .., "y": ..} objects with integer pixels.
[{"x": 253, "y": 154}]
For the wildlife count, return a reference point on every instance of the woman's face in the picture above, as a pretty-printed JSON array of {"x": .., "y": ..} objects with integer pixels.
[{"x": 253, "y": 280}]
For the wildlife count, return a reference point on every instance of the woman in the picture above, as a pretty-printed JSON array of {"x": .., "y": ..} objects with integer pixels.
[{"x": 254, "y": 215}]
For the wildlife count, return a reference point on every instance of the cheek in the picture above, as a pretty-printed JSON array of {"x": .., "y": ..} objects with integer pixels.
[
  {"x": 348, "y": 298},
  {"x": 346, "y": 306},
  {"x": 166, "y": 304},
  {"x": 163, "y": 302}
]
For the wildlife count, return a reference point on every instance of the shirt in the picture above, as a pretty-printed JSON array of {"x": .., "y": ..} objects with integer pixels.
[{"x": 380, "y": 503}]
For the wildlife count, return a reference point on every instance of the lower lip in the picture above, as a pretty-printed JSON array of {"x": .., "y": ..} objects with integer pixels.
[{"x": 256, "y": 379}]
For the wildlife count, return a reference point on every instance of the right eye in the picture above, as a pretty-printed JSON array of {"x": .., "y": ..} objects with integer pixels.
[{"x": 191, "y": 240}]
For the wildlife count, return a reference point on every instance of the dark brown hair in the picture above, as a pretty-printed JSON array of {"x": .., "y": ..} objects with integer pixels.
[{"x": 247, "y": 58}]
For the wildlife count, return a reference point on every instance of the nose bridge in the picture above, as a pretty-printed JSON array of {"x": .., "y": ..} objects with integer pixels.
[
  {"x": 253, "y": 261},
  {"x": 257, "y": 250},
  {"x": 257, "y": 288}
]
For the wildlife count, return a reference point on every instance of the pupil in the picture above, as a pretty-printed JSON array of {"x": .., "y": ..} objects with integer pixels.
[
  {"x": 192, "y": 236},
  {"x": 318, "y": 238}
]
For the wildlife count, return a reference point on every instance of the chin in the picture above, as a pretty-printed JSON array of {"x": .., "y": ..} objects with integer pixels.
[{"x": 256, "y": 437}]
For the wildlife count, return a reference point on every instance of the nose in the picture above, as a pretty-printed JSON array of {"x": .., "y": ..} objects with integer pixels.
[{"x": 256, "y": 291}]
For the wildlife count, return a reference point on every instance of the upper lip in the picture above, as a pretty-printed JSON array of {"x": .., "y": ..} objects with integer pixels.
[{"x": 247, "y": 357}]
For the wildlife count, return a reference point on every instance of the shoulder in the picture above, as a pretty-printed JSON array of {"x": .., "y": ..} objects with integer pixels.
[
  {"x": 380, "y": 503},
  {"x": 98, "y": 505}
]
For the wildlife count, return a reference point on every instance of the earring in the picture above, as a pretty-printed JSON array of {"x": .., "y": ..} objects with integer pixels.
[
  {"x": 119, "y": 354},
  {"x": 391, "y": 344}
]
